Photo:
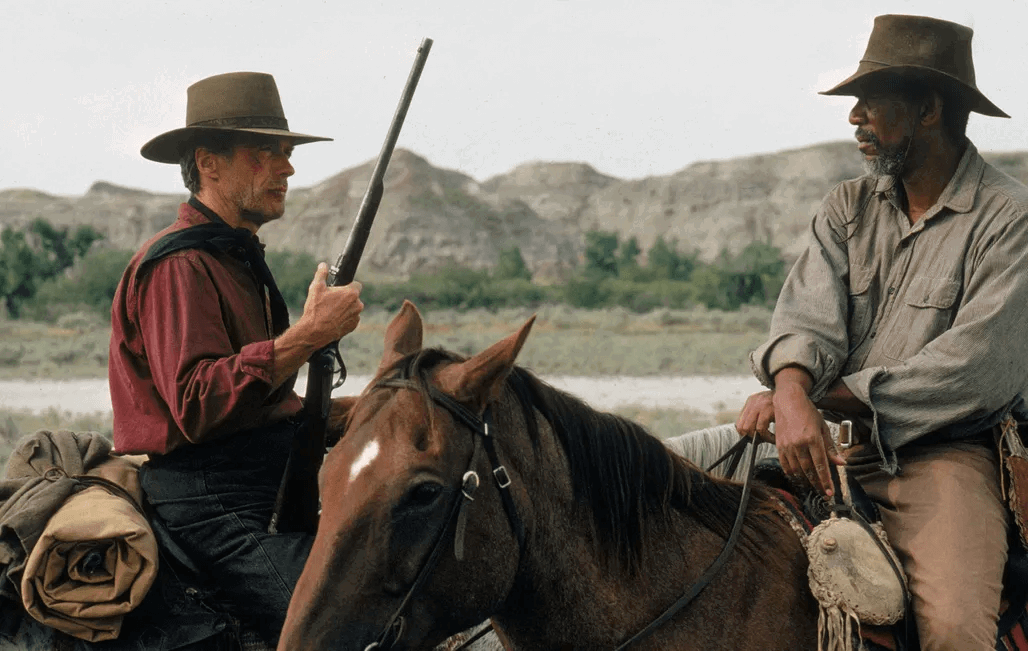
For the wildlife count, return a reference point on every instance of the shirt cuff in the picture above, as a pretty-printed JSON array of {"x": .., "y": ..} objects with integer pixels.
[
  {"x": 860, "y": 384},
  {"x": 794, "y": 350},
  {"x": 258, "y": 359}
]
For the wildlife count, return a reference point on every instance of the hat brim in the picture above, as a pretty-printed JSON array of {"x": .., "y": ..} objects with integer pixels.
[
  {"x": 864, "y": 77},
  {"x": 169, "y": 147}
]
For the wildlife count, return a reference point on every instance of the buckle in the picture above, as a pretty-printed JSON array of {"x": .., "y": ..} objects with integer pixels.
[
  {"x": 502, "y": 478},
  {"x": 469, "y": 484},
  {"x": 846, "y": 434}
]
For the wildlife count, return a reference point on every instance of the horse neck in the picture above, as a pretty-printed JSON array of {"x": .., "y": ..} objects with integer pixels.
[{"x": 561, "y": 565}]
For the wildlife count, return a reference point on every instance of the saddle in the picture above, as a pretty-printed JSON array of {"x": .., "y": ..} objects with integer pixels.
[
  {"x": 877, "y": 632},
  {"x": 853, "y": 572}
]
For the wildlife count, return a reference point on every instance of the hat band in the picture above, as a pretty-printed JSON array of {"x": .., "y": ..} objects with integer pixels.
[{"x": 246, "y": 122}]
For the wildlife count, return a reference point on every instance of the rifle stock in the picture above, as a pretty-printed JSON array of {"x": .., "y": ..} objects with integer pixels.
[{"x": 297, "y": 505}]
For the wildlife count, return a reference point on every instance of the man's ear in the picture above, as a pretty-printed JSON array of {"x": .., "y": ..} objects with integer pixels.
[
  {"x": 931, "y": 109},
  {"x": 206, "y": 163}
]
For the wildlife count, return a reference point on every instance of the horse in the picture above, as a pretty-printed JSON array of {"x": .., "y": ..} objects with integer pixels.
[{"x": 582, "y": 530}]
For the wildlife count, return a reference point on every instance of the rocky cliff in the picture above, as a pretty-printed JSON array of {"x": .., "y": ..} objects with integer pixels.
[{"x": 431, "y": 216}]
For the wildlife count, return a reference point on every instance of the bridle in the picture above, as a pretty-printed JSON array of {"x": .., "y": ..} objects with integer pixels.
[
  {"x": 458, "y": 511},
  {"x": 394, "y": 628}
]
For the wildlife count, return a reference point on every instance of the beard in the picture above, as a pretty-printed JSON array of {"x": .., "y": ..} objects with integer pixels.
[
  {"x": 889, "y": 160},
  {"x": 255, "y": 207}
]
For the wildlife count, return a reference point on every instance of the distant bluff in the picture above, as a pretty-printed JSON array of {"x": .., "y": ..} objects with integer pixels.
[{"x": 431, "y": 216}]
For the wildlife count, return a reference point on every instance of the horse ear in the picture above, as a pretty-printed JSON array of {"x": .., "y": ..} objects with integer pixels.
[
  {"x": 403, "y": 336},
  {"x": 479, "y": 379}
]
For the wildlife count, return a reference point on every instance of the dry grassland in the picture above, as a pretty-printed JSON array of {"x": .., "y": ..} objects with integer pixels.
[{"x": 564, "y": 341}]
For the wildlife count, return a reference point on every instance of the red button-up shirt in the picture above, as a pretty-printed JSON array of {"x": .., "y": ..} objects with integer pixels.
[{"x": 191, "y": 353}]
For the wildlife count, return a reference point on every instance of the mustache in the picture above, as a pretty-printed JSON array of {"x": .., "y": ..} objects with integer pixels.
[{"x": 863, "y": 134}]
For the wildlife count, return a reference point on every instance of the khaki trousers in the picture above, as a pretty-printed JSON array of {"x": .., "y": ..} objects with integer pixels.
[{"x": 946, "y": 519}]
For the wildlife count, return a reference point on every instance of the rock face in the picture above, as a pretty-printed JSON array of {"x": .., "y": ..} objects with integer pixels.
[{"x": 430, "y": 217}]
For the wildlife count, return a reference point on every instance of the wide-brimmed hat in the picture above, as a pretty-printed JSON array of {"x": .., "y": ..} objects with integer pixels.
[
  {"x": 935, "y": 52},
  {"x": 236, "y": 101}
]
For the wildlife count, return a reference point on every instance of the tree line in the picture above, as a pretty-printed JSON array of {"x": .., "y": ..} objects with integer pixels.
[{"x": 48, "y": 271}]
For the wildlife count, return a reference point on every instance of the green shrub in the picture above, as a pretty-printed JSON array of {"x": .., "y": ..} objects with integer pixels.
[
  {"x": 35, "y": 254},
  {"x": 510, "y": 265},
  {"x": 88, "y": 286}
]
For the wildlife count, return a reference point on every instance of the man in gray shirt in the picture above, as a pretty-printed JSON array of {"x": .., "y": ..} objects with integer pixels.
[{"x": 906, "y": 314}]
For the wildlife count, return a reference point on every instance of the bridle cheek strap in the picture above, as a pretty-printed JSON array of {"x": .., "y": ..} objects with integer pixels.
[
  {"x": 480, "y": 427},
  {"x": 394, "y": 628}
]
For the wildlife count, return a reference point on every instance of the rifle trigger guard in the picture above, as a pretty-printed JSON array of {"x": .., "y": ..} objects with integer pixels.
[{"x": 340, "y": 367}]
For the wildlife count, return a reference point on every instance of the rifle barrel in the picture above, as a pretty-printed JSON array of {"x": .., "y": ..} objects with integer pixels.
[
  {"x": 345, "y": 268},
  {"x": 296, "y": 505}
]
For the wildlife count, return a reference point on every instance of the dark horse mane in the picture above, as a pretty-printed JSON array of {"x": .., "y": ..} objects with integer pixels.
[{"x": 627, "y": 478}]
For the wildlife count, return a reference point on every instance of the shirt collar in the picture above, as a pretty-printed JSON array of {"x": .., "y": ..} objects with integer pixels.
[
  {"x": 959, "y": 194},
  {"x": 195, "y": 212},
  {"x": 962, "y": 189}
]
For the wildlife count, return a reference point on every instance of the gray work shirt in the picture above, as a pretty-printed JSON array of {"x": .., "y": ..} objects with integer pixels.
[{"x": 927, "y": 323}]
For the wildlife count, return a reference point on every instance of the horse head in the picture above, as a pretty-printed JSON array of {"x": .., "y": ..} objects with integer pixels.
[{"x": 400, "y": 500}]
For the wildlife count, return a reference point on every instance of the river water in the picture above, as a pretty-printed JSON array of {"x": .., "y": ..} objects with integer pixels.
[{"x": 701, "y": 393}]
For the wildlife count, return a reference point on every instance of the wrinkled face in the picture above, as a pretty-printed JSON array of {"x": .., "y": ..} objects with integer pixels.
[
  {"x": 254, "y": 179},
  {"x": 885, "y": 126}
]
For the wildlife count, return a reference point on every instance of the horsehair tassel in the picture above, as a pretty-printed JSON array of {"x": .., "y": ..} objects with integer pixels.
[{"x": 468, "y": 487}]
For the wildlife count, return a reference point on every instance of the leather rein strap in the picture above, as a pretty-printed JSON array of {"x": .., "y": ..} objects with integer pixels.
[{"x": 733, "y": 456}]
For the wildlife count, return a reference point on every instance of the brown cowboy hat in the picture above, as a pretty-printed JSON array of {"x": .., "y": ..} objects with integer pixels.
[
  {"x": 933, "y": 51},
  {"x": 235, "y": 101}
]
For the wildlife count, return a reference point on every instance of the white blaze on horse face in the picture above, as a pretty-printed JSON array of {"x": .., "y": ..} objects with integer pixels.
[{"x": 365, "y": 458}]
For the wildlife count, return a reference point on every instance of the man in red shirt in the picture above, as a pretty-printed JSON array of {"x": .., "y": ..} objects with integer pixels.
[{"x": 202, "y": 358}]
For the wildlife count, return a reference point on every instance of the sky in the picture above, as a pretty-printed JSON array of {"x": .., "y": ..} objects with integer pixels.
[{"x": 634, "y": 88}]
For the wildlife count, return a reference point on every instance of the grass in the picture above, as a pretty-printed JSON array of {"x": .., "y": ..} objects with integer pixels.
[
  {"x": 564, "y": 341},
  {"x": 662, "y": 423},
  {"x": 15, "y": 424}
]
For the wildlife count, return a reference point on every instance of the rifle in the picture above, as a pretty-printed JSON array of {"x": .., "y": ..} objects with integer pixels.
[{"x": 299, "y": 486}]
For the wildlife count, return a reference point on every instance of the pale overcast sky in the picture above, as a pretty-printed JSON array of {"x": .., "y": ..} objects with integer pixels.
[{"x": 634, "y": 88}]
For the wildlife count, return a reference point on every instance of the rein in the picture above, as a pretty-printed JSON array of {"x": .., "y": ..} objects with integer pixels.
[
  {"x": 394, "y": 628},
  {"x": 733, "y": 456}
]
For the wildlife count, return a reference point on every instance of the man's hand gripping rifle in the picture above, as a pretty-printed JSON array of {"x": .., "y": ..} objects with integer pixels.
[{"x": 297, "y": 504}]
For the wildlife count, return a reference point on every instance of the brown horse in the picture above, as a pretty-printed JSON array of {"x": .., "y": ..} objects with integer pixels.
[{"x": 590, "y": 530}]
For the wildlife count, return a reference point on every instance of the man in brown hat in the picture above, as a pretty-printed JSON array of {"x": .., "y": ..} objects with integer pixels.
[
  {"x": 906, "y": 315},
  {"x": 202, "y": 357}
]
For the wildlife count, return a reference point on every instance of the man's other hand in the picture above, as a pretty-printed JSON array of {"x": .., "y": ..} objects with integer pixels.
[
  {"x": 804, "y": 442},
  {"x": 756, "y": 417}
]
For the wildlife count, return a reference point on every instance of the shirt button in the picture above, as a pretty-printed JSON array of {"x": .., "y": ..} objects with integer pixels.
[{"x": 892, "y": 290}]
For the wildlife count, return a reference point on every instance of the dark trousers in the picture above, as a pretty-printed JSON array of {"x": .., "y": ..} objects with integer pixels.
[{"x": 216, "y": 500}]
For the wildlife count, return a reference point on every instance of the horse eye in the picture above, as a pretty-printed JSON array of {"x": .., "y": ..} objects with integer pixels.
[{"x": 424, "y": 494}]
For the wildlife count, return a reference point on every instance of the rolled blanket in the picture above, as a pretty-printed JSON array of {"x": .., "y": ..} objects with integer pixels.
[{"x": 94, "y": 562}]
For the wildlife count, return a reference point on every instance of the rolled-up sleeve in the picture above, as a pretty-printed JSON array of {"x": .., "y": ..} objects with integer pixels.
[{"x": 808, "y": 328}]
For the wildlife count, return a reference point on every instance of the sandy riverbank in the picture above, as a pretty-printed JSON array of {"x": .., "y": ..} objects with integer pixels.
[{"x": 701, "y": 393}]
